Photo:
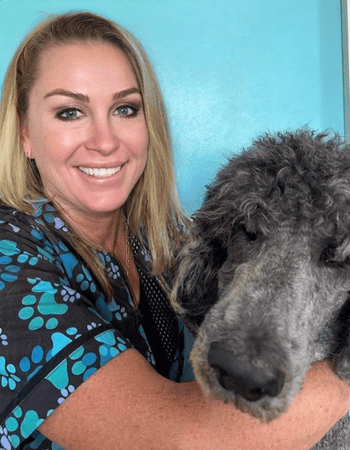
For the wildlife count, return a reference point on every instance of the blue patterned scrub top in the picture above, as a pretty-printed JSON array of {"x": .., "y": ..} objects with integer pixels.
[{"x": 56, "y": 327}]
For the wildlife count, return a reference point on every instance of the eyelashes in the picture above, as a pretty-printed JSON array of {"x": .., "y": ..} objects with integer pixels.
[
  {"x": 126, "y": 111},
  {"x": 69, "y": 114}
]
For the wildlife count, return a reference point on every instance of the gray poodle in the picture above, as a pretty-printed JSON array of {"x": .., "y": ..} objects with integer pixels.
[{"x": 264, "y": 280}]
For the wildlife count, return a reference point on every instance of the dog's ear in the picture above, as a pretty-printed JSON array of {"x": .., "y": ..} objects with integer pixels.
[
  {"x": 196, "y": 284},
  {"x": 342, "y": 361},
  {"x": 196, "y": 280},
  {"x": 341, "y": 354}
]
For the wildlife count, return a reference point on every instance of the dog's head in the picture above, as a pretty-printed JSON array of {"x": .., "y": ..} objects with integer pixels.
[{"x": 272, "y": 235}]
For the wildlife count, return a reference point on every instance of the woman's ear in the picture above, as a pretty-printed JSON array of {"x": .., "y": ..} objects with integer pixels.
[
  {"x": 24, "y": 136},
  {"x": 25, "y": 140}
]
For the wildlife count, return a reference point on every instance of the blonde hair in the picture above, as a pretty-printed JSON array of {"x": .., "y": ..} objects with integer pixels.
[{"x": 153, "y": 202}]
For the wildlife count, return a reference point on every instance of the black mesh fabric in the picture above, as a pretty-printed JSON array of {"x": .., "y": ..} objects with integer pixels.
[{"x": 159, "y": 320}]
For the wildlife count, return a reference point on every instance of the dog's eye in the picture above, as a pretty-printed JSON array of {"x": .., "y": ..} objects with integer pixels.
[
  {"x": 249, "y": 235},
  {"x": 252, "y": 236},
  {"x": 330, "y": 259},
  {"x": 328, "y": 253}
]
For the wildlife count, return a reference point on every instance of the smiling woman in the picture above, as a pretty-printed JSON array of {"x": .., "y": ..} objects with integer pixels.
[
  {"x": 89, "y": 226},
  {"x": 84, "y": 149},
  {"x": 87, "y": 132}
]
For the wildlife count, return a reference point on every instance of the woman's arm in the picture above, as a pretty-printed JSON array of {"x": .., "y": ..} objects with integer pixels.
[{"x": 127, "y": 405}]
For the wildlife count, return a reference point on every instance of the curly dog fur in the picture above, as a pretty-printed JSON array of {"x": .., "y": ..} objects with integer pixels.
[{"x": 264, "y": 280}]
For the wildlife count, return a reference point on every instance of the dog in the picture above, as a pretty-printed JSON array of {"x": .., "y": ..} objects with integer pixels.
[{"x": 264, "y": 278}]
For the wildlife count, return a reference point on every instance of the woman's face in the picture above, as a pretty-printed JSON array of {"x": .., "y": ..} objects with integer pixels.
[{"x": 86, "y": 128}]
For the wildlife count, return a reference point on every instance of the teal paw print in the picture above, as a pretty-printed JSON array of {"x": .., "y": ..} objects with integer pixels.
[
  {"x": 84, "y": 364},
  {"x": 32, "y": 365},
  {"x": 7, "y": 375},
  {"x": 8, "y": 270},
  {"x": 45, "y": 305},
  {"x": 8, "y": 248},
  {"x": 120, "y": 312},
  {"x": 85, "y": 280},
  {"x": 20, "y": 423},
  {"x": 111, "y": 346},
  {"x": 61, "y": 340}
]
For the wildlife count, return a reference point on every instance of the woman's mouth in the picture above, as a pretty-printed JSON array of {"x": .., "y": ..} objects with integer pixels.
[{"x": 100, "y": 172}]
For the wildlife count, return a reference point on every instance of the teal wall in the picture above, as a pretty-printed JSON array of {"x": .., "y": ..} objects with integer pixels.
[{"x": 229, "y": 70}]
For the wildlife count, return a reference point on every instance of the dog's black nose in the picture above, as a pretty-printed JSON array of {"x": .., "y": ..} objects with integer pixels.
[{"x": 251, "y": 381}]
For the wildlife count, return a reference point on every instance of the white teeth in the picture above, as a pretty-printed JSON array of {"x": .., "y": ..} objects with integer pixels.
[{"x": 100, "y": 172}]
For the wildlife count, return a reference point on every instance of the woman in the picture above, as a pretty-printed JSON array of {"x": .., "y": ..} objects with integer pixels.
[{"x": 89, "y": 222}]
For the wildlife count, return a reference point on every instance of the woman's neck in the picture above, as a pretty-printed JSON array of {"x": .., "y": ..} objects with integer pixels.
[{"x": 98, "y": 230}]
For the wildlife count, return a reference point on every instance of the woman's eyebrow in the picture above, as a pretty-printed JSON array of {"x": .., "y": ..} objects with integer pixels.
[
  {"x": 75, "y": 95},
  {"x": 85, "y": 98},
  {"x": 126, "y": 92}
]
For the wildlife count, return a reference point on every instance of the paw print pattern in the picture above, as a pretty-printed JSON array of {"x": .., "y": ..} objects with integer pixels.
[
  {"x": 8, "y": 273},
  {"x": 92, "y": 326},
  {"x": 103, "y": 257},
  {"x": 85, "y": 280},
  {"x": 111, "y": 346},
  {"x": 10, "y": 260},
  {"x": 8, "y": 270},
  {"x": 20, "y": 423},
  {"x": 40, "y": 310},
  {"x": 61, "y": 340},
  {"x": 26, "y": 257},
  {"x": 56, "y": 221},
  {"x": 65, "y": 393},
  {"x": 120, "y": 312},
  {"x": 113, "y": 271},
  {"x": 4, "y": 439},
  {"x": 8, "y": 378},
  {"x": 70, "y": 295},
  {"x": 84, "y": 364},
  {"x": 3, "y": 339},
  {"x": 34, "y": 364}
]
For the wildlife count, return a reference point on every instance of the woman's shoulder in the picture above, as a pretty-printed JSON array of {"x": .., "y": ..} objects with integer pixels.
[
  {"x": 35, "y": 238},
  {"x": 39, "y": 211},
  {"x": 39, "y": 224}
]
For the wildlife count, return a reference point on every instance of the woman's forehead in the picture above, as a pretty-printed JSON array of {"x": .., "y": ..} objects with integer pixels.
[{"x": 93, "y": 67}]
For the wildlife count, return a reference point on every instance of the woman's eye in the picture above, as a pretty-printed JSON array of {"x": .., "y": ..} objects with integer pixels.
[
  {"x": 126, "y": 111},
  {"x": 69, "y": 114}
]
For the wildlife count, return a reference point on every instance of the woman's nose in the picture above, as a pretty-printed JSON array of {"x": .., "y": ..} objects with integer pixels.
[{"x": 102, "y": 137}]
